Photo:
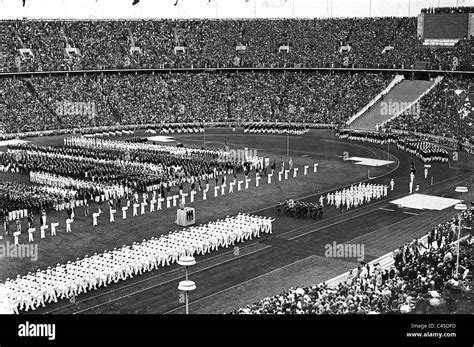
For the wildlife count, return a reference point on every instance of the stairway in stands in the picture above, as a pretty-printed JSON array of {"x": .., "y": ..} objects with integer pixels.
[
  {"x": 471, "y": 42},
  {"x": 403, "y": 92},
  {"x": 32, "y": 89},
  {"x": 3, "y": 52}
]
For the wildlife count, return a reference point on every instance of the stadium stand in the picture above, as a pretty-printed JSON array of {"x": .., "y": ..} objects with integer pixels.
[
  {"x": 415, "y": 283},
  {"x": 146, "y": 98},
  {"x": 129, "y": 44},
  {"x": 446, "y": 110}
]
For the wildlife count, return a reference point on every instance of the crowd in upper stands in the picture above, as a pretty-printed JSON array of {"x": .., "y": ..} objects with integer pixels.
[
  {"x": 186, "y": 97},
  {"x": 415, "y": 283},
  {"x": 448, "y": 10},
  {"x": 130, "y": 44}
]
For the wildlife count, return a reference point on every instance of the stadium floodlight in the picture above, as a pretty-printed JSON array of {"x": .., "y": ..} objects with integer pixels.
[
  {"x": 460, "y": 208},
  {"x": 187, "y": 285}
]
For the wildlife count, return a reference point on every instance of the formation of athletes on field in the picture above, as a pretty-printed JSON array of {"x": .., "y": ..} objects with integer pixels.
[
  {"x": 65, "y": 281},
  {"x": 355, "y": 195},
  {"x": 135, "y": 178},
  {"x": 428, "y": 152},
  {"x": 141, "y": 176}
]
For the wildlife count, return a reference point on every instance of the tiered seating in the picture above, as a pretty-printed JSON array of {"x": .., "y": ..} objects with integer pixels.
[
  {"x": 129, "y": 44},
  {"x": 444, "y": 111},
  {"x": 186, "y": 98},
  {"x": 416, "y": 282}
]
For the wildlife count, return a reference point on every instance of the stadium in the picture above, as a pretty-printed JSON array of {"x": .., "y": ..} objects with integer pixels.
[{"x": 290, "y": 158}]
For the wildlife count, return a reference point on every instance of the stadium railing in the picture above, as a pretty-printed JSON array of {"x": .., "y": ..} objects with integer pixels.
[{"x": 405, "y": 71}]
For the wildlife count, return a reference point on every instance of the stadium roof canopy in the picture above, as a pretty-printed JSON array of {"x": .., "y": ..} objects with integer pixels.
[{"x": 115, "y": 9}]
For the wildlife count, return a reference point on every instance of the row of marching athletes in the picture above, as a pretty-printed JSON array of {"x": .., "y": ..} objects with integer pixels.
[{"x": 83, "y": 275}]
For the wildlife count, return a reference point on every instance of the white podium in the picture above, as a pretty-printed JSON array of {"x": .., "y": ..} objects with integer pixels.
[{"x": 186, "y": 216}]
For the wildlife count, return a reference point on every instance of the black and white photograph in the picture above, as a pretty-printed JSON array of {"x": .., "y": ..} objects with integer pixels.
[{"x": 195, "y": 168}]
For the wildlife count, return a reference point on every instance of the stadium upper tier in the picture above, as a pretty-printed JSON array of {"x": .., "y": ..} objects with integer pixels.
[{"x": 117, "y": 44}]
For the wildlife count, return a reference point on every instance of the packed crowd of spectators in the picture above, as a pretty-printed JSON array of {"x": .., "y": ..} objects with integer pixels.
[
  {"x": 416, "y": 282},
  {"x": 21, "y": 110},
  {"x": 131, "y": 44},
  {"x": 446, "y": 111},
  {"x": 186, "y": 97},
  {"x": 448, "y": 10},
  {"x": 32, "y": 104}
]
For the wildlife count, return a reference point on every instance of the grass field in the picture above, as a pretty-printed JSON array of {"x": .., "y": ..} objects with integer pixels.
[{"x": 292, "y": 254}]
